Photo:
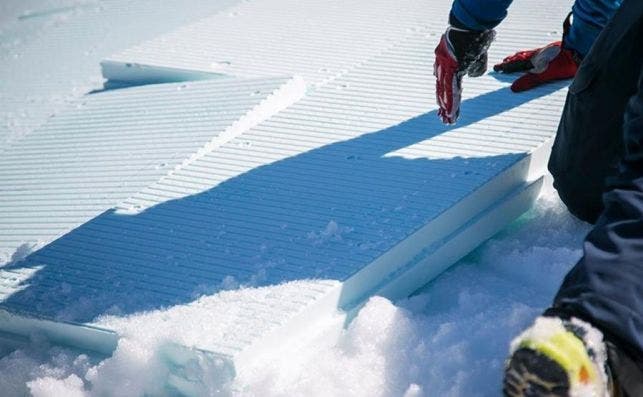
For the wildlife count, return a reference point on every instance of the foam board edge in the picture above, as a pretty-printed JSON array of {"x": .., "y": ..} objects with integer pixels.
[
  {"x": 79, "y": 336},
  {"x": 139, "y": 74}
]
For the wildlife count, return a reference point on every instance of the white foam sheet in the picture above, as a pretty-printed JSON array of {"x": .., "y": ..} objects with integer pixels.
[
  {"x": 317, "y": 39},
  {"x": 112, "y": 144},
  {"x": 50, "y": 50},
  {"x": 355, "y": 189}
]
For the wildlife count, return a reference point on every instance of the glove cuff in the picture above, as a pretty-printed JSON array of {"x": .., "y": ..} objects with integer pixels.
[
  {"x": 468, "y": 46},
  {"x": 576, "y": 54},
  {"x": 455, "y": 22}
]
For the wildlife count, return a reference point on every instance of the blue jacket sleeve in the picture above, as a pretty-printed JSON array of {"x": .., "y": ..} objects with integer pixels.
[
  {"x": 590, "y": 17},
  {"x": 606, "y": 286},
  {"x": 479, "y": 14}
]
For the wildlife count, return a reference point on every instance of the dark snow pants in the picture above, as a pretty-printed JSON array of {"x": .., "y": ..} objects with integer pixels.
[{"x": 597, "y": 164}]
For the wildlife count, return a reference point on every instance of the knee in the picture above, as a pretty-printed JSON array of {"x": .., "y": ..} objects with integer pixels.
[{"x": 582, "y": 199}]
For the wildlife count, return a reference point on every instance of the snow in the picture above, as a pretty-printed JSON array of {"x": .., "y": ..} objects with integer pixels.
[
  {"x": 332, "y": 232},
  {"x": 449, "y": 340},
  {"x": 49, "y": 386}
]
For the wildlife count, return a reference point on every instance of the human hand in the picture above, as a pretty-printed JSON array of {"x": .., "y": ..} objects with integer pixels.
[
  {"x": 549, "y": 63},
  {"x": 459, "y": 52}
]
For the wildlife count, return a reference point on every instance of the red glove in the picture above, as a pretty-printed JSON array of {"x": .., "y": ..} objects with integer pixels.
[
  {"x": 459, "y": 52},
  {"x": 448, "y": 85},
  {"x": 549, "y": 63}
]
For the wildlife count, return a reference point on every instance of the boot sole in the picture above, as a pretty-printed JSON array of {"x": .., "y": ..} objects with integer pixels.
[{"x": 532, "y": 374}]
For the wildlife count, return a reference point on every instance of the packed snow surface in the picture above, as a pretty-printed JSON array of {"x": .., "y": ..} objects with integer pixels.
[{"x": 450, "y": 339}]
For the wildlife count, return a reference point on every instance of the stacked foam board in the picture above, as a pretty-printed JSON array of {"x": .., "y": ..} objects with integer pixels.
[
  {"x": 50, "y": 50},
  {"x": 112, "y": 144},
  {"x": 353, "y": 190}
]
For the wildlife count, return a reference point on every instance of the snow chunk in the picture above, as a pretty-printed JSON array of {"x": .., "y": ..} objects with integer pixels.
[
  {"x": 71, "y": 386},
  {"x": 19, "y": 254},
  {"x": 332, "y": 232}
]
